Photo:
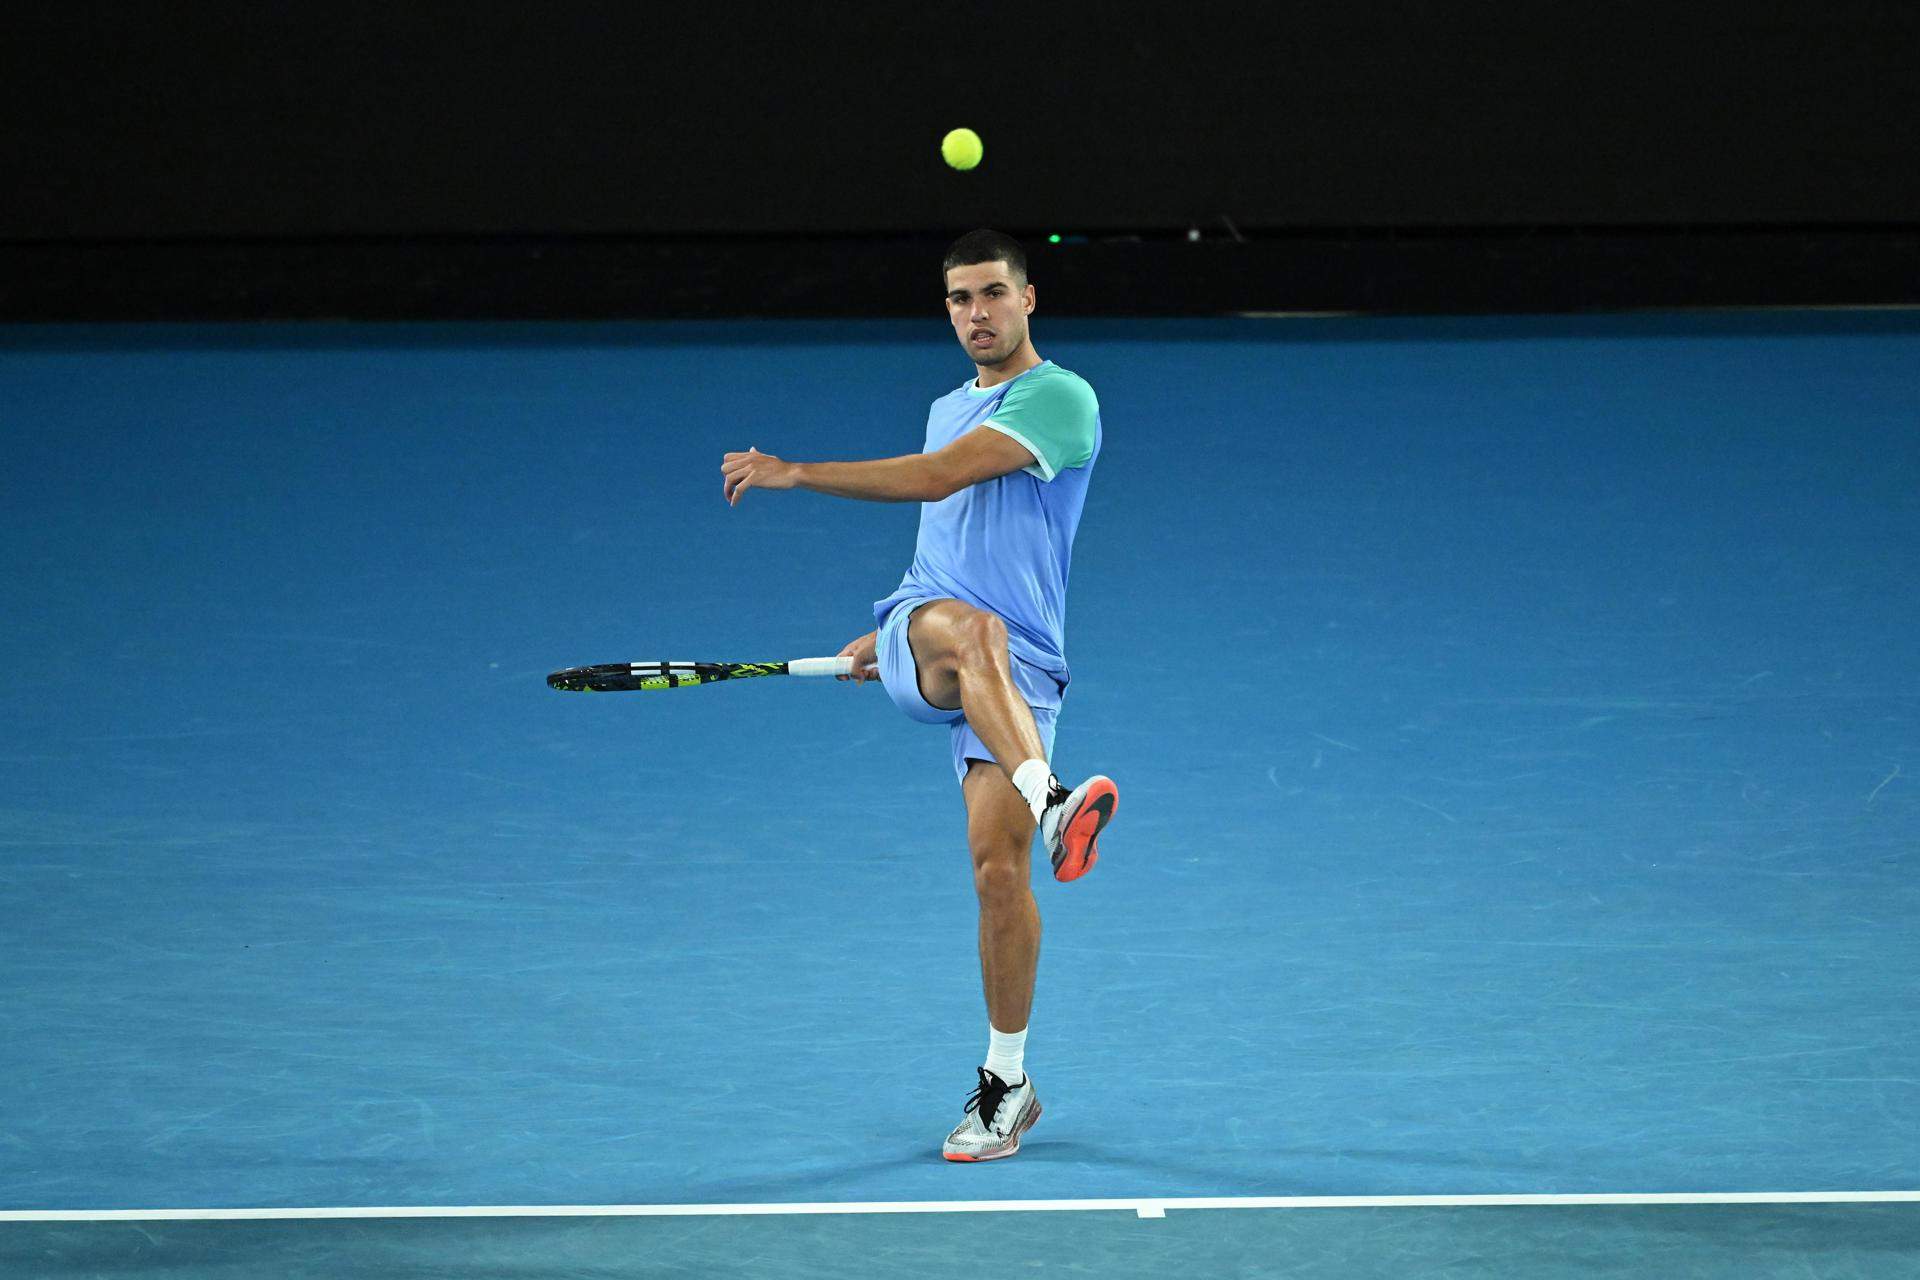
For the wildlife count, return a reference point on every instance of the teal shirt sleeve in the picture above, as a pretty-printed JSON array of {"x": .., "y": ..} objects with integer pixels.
[{"x": 1055, "y": 417}]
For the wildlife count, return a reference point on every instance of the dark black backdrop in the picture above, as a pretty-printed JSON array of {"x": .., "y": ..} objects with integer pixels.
[{"x": 298, "y": 121}]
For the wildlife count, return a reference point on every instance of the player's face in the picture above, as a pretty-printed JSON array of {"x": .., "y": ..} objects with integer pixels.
[{"x": 989, "y": 311}]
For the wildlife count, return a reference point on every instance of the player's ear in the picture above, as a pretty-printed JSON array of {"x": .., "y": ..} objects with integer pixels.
[{"x": 1032, "y": 299}]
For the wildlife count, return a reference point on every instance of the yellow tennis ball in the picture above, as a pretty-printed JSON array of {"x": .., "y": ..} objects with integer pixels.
[{"x": 962, "y": 148}]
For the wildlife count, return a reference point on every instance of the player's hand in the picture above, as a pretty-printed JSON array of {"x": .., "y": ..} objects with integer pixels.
[
  {"x": 865, "y": 653},
  {"x": 753, "y": 470}
]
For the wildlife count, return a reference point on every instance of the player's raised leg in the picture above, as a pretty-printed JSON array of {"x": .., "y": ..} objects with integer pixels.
[
  {"x": 1000, "y": 834},
  {"x": 961, "y": 655}
]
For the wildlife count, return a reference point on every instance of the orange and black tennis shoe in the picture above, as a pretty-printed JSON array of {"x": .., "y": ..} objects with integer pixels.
[{"x": 1071, "y": 823}]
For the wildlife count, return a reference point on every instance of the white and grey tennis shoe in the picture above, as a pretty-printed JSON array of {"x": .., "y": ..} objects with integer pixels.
[{"x": 997, "y": 1114}]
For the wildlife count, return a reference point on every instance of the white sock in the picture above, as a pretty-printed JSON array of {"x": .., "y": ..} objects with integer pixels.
[
  {"x": 1007, "y": 1054},
  {"x": 1034, "y": 781}
]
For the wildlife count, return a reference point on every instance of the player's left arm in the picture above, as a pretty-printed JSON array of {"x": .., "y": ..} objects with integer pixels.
[
  {"x": 981, "y": 454},
  {"x": 1042, "y": 427}
]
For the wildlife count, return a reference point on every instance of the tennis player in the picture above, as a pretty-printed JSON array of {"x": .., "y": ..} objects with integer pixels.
[{"x": 975, "y": 636}]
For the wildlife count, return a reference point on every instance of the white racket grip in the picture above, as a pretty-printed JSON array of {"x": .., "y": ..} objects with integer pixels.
[{"x": 823, "y": 667}]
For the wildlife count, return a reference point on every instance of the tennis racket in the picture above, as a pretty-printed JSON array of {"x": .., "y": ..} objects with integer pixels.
[{"x": 615, "y": 677}]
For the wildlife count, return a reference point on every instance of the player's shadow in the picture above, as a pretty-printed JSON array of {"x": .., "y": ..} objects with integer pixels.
[
  {"x": 1260, "y": 1176},
  {"x": 805, "y": 1185},
  {"x": 1300, "y": 1170}
]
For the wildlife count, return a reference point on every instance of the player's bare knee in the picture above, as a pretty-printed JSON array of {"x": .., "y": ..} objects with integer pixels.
[
  {"x": 1001, "y": 878},
  {"x": 982, "y": 640}
]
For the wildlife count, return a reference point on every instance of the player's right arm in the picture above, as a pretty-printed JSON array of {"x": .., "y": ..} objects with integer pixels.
[{"x": 865, "y": 653}]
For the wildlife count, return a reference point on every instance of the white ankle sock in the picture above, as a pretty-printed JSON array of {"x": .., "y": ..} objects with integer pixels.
[
  {"x": 1034, "y": 780},
  {"x": 1007, "y": 1054}
]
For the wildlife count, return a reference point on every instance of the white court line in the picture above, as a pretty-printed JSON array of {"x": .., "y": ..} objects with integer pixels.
[{"x": 1145, "y": 1207}]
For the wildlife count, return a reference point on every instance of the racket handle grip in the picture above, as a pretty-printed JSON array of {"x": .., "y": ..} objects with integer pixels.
[{"x": 823, "y": 667}]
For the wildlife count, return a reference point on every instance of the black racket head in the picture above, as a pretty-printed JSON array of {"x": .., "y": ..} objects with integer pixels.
[{"x": 621, "y": 677}]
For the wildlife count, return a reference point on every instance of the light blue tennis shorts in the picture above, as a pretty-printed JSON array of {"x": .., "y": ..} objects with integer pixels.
[{"x": 902, "y": 680}]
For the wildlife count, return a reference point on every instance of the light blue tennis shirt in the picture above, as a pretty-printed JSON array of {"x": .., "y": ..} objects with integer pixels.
[{"x": 1005, "y": 545}]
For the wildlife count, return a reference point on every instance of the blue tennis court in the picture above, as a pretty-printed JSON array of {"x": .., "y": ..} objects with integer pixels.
[{"x": 1519, "y": 722}]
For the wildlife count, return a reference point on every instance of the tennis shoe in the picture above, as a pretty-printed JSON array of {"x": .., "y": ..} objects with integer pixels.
[
  {"x": 997, "y": 1114},
  {"x": 1070, "y": 825}
]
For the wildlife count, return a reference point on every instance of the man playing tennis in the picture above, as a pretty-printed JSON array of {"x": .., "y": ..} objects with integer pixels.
[{"x": 974, "y": 637}]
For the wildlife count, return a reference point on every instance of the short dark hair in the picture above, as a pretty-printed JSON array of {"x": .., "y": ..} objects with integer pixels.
[{"x": 983, "y": 245}]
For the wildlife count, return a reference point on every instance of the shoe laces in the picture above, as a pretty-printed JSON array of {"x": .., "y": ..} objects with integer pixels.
[
  {"x": 1054, "y": 810},
  {"x": 985, "y": 1101}
]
